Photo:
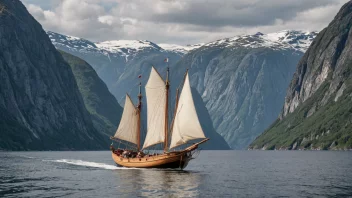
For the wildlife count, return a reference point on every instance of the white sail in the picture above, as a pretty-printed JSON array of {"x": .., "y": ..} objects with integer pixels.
[
  {"x": 128, "y": 127},
  {"x": 156, "y": 99},
  {"x": 186, "y": 125}
]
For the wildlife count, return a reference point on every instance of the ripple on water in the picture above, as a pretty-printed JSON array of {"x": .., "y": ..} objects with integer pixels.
[{"x": 243, "y": 173}]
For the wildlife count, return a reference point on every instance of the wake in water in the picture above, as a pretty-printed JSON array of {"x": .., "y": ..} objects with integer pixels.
[
  {"x": 88, "y": 164},
  {"x": 24, "y": 156}
]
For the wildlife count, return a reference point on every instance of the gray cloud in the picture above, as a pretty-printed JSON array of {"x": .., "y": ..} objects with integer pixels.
[
  {"x": 179, "y": 21},
  {"x": 245, "y": 13}
]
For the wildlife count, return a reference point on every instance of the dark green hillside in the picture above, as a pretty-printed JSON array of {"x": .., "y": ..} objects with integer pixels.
[
  {"x": 328, "y": 128},
  {"x": 100, "y": 103}
]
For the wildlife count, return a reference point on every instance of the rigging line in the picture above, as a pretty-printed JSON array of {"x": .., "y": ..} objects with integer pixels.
[
  {"x": 142, "y": 121},
  {"x": 150, "y": 146},
  {"x": 155, "y": 87},
  {"x": 121, "y": 142},
  {"x": 171, "y": 113}
]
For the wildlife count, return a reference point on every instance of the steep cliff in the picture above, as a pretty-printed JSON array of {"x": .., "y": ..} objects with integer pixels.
[
  {"x": 243, "y": 80},
  {"x": 118, "y": 63},
  {"x": 216, "y": 142},
  {"x": 317, "y": 113},
  {"x": 134, "y": 58},
  {"x": 41, "y": 107},
  {"x": 101, "y": 104}
]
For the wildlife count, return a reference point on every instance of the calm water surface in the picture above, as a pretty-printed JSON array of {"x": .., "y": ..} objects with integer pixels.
[{"x": 212, "y": 174}]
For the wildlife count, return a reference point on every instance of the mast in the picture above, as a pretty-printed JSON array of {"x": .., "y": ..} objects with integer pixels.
[
  {"x": 167, "y": 85},
  {"x": 176, "y": 103},
  {"x": 175, "y": 111},
  {"x": 139, "y": 108}
]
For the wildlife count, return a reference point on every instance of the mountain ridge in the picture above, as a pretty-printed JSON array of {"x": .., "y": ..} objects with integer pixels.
[
  {"x": 275, "y": 53},
  {"x": 119, "y": 47},
  {"x": 285, "y": 38},
  {"x": 317, "y": 110},
  {"x": 243, "y": 87},
  {"x": 116, "y": 62}
]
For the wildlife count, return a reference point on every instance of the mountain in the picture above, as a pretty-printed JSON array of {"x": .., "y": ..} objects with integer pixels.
[
  {"x": 317, "y": 113},
  {"x": 242, "y": 80},
  {"x": 100, "y": 103},
  {"x": 41, "y": 107},
  {"x": 118, "y": 63},
  {"x": 216, "y": 142},
  {"x": 286, "y": 39},
  {"x": 138, "y": 57}
]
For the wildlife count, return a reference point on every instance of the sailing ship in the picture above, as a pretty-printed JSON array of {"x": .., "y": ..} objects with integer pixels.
[{"x": 184, "y": 129}]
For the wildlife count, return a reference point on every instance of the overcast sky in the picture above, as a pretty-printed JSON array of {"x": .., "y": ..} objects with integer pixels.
[{"x": 179, "y": 21}]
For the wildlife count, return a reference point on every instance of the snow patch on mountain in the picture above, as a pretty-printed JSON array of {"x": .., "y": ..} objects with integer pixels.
[
  {"x": 71, "y": 42},
  {"x": 117, "y": 46},
  {"x": 128, "y": 49},
  {"x": 298, "y": 40},
  {"x": 180, "y": 48}
]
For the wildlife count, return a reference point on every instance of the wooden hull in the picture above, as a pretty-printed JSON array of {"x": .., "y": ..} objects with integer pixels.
[
  {"x": 168, "y": 160},
  {"x": 172, "y": 160}
]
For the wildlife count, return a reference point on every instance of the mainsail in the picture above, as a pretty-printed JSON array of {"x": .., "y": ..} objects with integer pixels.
[
  {"x": 156, "y": 99},
  {"x": 128, "y": 127},
  {"x": 186, "y": 125}
]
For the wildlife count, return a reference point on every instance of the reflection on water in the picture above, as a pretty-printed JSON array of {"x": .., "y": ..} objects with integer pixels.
[{"x": 157, "y": 182}]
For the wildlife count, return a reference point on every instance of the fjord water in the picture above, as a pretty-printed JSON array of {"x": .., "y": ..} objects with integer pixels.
[{"x": 212, "y": 174}]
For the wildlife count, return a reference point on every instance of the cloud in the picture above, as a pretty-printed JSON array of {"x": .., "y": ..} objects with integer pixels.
[
  {"x": 220, "y": 13},
  {"x": 106, "y": 19},
  {"x": 180, "y": 21},
  {"x": 36, "y": 11},
  {"x": 79, "y": 18}
]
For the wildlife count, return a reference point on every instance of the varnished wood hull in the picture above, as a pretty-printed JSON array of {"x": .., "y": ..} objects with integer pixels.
[
  {"x": 169, "y": 160},
  {"x": 172, "y": 160}
]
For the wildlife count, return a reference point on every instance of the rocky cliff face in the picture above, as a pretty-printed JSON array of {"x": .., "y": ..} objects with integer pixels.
[
  {"x": 317, "y": 109},
  {"x": 216, "y": 142},
  {"x": 41, "y": 107},
  {"x": 137, "y": 58},
  {"x": 101, "y": 104},
  {"x": 325, "y": 56},
  {"x": 118, "y": 63},
  {"x": 243, "y": 80}
]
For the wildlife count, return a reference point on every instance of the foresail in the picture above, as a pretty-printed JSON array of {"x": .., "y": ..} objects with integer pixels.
[
  {"x": 186, "y": 125},
  {"x": 156, "y": 99},
  {"x": 128, "y": 127}
]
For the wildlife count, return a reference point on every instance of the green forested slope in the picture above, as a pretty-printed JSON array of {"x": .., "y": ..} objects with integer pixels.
[
  {"x": 330, "y": 127},
  {"x": 100, "y": 103}
]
